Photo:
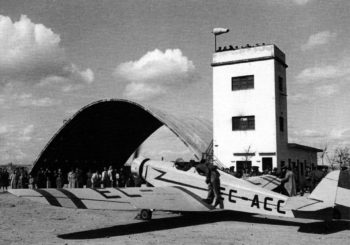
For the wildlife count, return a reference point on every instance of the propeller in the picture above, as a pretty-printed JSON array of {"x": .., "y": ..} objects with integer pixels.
[{"x": 137, "y": 152}]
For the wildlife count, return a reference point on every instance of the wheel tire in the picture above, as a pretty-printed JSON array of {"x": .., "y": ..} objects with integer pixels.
[{"x": 146, "y": 214}]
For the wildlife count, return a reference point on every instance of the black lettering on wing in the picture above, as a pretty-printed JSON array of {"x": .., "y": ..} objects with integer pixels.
[{"x": 104, "y": 192}]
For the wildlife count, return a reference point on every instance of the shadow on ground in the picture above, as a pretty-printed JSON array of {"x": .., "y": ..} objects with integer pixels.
[
  {"x": 321, "y": 227},
  {"x": 202, "y": 218}
]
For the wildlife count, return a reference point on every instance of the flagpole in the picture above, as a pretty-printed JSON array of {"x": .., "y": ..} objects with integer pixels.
[{"x": 214, "y": 43}]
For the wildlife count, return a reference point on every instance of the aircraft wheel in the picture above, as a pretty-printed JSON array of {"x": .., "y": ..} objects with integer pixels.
[{"x": 146, "y": 214}]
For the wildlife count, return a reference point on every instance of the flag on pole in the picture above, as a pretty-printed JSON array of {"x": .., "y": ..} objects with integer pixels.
[{"x": 219, "y": 31}]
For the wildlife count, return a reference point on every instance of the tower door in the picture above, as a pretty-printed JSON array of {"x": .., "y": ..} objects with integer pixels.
[{"x": 267, "y": 163}]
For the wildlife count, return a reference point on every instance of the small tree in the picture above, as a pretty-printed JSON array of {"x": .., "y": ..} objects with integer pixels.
[
  {"x": 341, "y": 157},
  {"x": 247, "y": 155}
]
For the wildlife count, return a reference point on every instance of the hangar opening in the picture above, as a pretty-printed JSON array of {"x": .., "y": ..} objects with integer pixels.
[{"x": 108, "y": 132}]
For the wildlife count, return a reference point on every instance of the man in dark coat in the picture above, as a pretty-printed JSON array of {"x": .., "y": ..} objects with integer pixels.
[
  {"x": 288, "y": 182},
  {"x": 213, "y": 178}
]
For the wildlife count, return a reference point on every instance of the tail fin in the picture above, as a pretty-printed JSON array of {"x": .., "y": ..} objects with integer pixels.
[
  {"x": 330, "y": 199},
  {"x": 326, "y": 190},
  {"x": 319, "y": 205}
]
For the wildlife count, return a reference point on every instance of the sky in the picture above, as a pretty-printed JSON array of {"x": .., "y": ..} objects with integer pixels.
[{"x": 58, "y": 56}]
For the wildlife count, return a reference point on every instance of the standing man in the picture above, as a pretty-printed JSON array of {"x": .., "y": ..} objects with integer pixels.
[
  {"x": 104, "y": 178},
  {"x": 288, "y": 181},
  {"x": 59, "y": 179},
  {"x": 80, "y": 178},
  {"x": 95, "y": 180},
  {"x": 88, "y": 179},
  {"x": 214, "y": 177},
  {"x": 14, "y": 179},
  {"x": 48, "y": 178},
  {"x": 1, "y": 179},
  {"x": 203, "y": 169},
  {"x": 72, "y": 179},
  {"x": 117, "y": 176},
  {"x": 5, "y": 176},
  {"x": 111, "y": 176}
]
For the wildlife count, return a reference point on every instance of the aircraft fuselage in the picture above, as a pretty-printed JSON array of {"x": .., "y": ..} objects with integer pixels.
[{"x": 237, "y": 194}]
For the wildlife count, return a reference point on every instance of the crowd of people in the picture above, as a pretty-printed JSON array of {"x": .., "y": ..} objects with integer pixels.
[
  {"x": 250, "y": 172},
  {"x": 303, "y": 183},
  {"x": 75, "y": 178},
  {"x": 16, "y": 180},
  {"x": 291, "y": 182},
  {"x": 4, "y": 179}
]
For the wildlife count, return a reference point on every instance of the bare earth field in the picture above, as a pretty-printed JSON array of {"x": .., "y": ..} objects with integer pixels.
[{"x": 26, "y": 222}]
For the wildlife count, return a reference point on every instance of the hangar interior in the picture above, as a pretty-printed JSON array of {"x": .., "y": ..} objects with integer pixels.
[{"x": 108, "y": 132}]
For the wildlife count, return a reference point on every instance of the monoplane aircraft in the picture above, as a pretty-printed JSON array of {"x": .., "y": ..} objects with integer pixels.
[{"x": 172, "y": 189}]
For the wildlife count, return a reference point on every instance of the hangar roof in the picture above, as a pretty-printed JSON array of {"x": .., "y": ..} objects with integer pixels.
[{"x": 107, "y": 132}]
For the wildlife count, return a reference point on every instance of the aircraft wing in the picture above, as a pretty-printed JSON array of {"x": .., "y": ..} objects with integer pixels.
[
  {"x": 268, "y": 182},
  {"x": 158, "y": 198}
]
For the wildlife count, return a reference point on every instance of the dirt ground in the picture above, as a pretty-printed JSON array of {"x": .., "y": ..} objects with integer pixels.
[{"x": 26, "y": 222}]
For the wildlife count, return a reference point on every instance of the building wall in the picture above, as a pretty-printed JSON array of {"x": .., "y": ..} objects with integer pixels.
[
  {"x": 259, "y": 102},
  {"x": 267, "y": 101},
  {"x": 300, "y": 155},
  {"x": 281, "y": 112},
  {"x": 300, "y": 159}
]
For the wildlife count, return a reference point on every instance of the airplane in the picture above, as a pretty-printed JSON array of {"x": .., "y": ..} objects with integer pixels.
[{"x": 175, "y": 190}]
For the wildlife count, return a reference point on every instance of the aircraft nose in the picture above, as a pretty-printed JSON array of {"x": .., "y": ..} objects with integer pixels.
[{"x": 135, "y": 165}]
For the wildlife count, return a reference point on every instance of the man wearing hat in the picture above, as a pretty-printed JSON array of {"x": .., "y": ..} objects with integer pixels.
[
  {"x": 288, "y": 182},
  {"x": 213, "y": 180}
]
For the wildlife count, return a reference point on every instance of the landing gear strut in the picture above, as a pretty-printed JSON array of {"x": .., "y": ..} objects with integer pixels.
[{"x": 145, "y": 214}]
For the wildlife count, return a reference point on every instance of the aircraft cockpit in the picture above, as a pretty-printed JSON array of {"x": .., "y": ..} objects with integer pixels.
[{"x": 200, "y": 168}]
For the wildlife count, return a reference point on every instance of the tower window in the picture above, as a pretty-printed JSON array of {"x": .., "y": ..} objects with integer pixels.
[
  {"x": 281, "y": 124},
  {"x": 242, "y": 83},
  {"x": 280, "y": 83},
  {"x": 243, "y": 123}
]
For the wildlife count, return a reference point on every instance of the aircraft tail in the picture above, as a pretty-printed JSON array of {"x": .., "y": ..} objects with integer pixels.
[
  {"x": 334, "y": 191},
  {"x": 320, "y": 203},
  {"x": 326, "y": 190}
]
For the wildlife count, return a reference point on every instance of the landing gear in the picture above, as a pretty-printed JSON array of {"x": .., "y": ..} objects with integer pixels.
[{"x": 145, "y": 214}]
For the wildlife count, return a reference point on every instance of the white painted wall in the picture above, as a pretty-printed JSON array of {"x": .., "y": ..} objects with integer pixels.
[{"x": 259, "y": 102}]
